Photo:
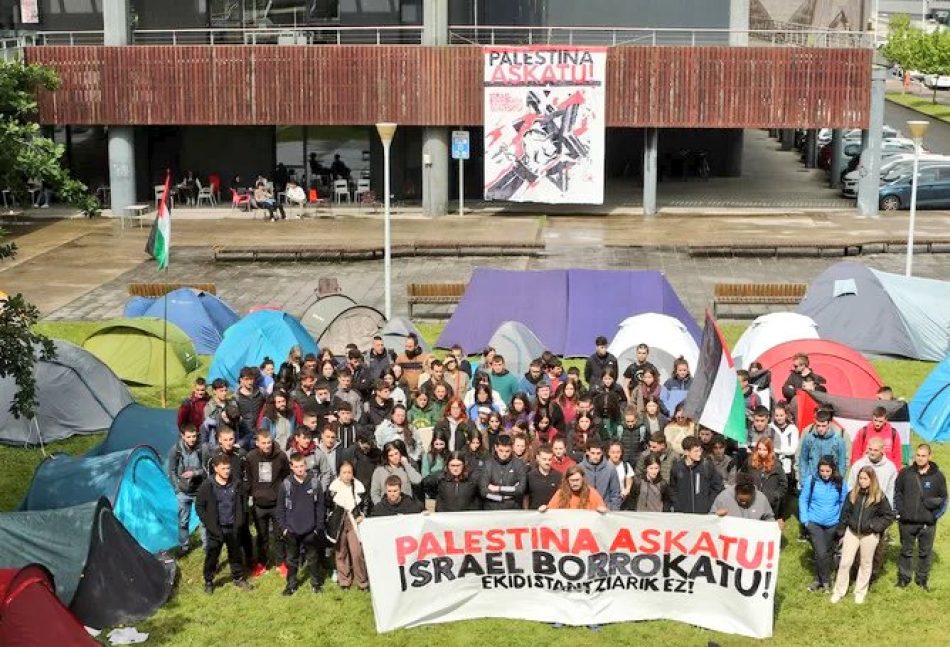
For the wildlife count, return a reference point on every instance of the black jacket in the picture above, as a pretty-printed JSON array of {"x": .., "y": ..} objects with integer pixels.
[
  {"x": 540, "y": 487},
  {"x": 263, "y": 486},
  {"x": 301, "y": 508},
  {"x": 920, "y": 498},
  {"x": 373, "y": 414},
  {"x": 510, "y": 476},
  {"x": 206, "y": 507},
  {"x": 862, "y": 520},
  {"x": 406, "y": 505},
  {"x": 694, "y": 487},
  {"x": 457, "y": 496},
  {"x": 596, "y": 366},
  {"x": 794, "y": 382},
  {"x": 773, "y": 484},
  {"x": 364, "y": 464},
  {"x": 250, "y": 407},
  {"x": 635, "y": 441},
  {"x": 238, "y": 461},
  {"x": 460, "y": 433}
]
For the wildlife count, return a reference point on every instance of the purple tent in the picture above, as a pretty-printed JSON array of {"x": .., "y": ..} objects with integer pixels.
[{"x": 566, "y": 309}]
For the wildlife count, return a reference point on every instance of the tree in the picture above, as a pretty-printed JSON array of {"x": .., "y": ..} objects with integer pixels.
[
  {"x": 914, "y": 49},
  {"x": 26, "y": 155}
]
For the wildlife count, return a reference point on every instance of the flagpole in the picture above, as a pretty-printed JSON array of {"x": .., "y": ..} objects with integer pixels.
[{"x": 165, "y": 344}]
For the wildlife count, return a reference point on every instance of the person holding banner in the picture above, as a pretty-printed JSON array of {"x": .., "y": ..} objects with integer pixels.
[
  {"x": 819, "y": 510},
  {"x": 865, "y": 517},
  {"x": 575, "y": 493}
]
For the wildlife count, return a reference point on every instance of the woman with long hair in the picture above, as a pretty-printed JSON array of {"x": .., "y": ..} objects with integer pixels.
[
  {"x": 608, "y": 401},
  {"x": 819, "y": 510},
  {"x": 433, "y": 461},
  {"x": 396, "y": 393},
  {"x": 649, "y": 388},
  {"x": 768, "y": 476},
  {"x": 457, "y": 491},
  {"x": 454, "y": 424},
  {"x": 519, "y": 412},
  {"x": 475, "y": 453},
  {"x": 328, "y": 373},
  {"x": 349, "y": 506},
  {"x": 653, "y": 417},
  {"x": 575, "y": 493},
  {"x": 566, "y": 397},
  {"x": 396, "y": 426},
  {"x": 865, "y": 517},
  {"x": 578, "y": 437},
  {"x": 395, "y": 460},
  {"x": 483, "y": 398},
  {"x": 650, "y": 493}
]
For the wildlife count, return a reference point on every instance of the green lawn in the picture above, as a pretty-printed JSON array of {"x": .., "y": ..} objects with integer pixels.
[
  {"x": 924, "y": 105},
  {"x": 264, "y": 617}
]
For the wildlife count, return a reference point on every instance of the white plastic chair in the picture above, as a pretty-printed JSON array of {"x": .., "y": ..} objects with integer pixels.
[
  {"x": 362, "y": 186},
  {"x": 341, "y": 189},
  {"x": 204, "y": 193}
]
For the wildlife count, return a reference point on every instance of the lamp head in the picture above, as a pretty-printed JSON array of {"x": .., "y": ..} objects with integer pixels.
[
  {"x": 386, "y": 130},
  {"x": 917, "y": 130}
]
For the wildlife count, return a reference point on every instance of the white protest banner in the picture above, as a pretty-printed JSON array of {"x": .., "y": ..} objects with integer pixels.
[
  {"x": 575, "y": 567},
  {"x": 544, "y": 124}
]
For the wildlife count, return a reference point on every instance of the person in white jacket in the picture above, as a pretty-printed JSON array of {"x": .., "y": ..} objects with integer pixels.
[{"x": 785, "y": 436}]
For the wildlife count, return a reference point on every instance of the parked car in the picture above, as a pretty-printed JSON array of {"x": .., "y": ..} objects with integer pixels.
[
  {"x": 933, "y": 189},
  {"x": 891, "y": 167}
]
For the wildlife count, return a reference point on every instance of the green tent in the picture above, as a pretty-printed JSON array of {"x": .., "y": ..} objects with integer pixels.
[{"x": 134, "y": 348}]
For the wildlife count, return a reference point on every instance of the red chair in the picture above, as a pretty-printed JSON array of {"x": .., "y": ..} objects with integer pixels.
[
  {"x": 238, "y": 200},
  {"x": 314, "y": 199},
  {"x": 214, "y": 183}
]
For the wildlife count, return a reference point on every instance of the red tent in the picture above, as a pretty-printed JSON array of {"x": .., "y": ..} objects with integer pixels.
[
  {"x": 845, "y": 370},
  {"x": 32, "y": 616}
]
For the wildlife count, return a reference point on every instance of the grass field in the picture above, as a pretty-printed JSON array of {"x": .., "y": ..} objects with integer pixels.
[
  {"x": 264, "y": 617},
  {"x": 922, "y": 104}
]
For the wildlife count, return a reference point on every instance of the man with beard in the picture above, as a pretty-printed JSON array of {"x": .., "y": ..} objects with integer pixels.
[{"x": 413, "y": 361}]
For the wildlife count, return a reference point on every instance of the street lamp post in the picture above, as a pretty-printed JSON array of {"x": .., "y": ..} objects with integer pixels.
[
  {"x": 386, "y": 132},
  {"x": 917, "y": 131}
]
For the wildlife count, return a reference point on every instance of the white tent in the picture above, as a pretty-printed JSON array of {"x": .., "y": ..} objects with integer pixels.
[
  {"x": 666, "y": 336},
  {"x": 768, "y": 331},
  {"x": 518, "y": 345}
]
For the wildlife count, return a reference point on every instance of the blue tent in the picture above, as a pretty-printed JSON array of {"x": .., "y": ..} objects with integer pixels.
[
  {"x": 133, "y": 480},
  {"x": 140, "y": 425},
  {"x": 202, "y": 316},
  {"x": 930, "y": 408},
  {"x": 265, "y": 333}
]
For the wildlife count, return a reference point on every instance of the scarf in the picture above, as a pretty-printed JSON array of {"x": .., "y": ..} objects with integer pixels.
[{"x": 347, "y": 496}]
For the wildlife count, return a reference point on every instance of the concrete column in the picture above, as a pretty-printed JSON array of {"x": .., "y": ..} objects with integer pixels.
[
  {"x": 811, "y": 148},
  {"x": 868, "y": 189},
  {"x": 837, "y": 146},
  {"x": 116, "y": 31},
  {"x": 650, "y": 138},
  {"x": 738, "y": 23},
  {"x": 787, "y": 138},
  {"x": 435, "y": 141}
]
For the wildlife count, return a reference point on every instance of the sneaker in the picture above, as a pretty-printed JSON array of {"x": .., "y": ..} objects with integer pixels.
[
  {"x": 44, "y": 206},
  {"x": 835, "y": 598},
  {"x": 282, "y": 569},
  {"x": 289, "y": 590},
  {"x": 316, "y": 588},
  {"x": 258, "y": 570},
  {"x": 859, "y": 600},
  {"x": 902, "y": 583},
  {"x": 209, "y": 588},
  {"x": 333, "y": 576},
  {"x": 815, "y": 587},
  {"x": 923, "y": 586},
  {"x": 244, "y": 585}
]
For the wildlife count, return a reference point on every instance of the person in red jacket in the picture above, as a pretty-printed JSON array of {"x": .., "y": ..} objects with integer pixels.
[
  {"x": 192, "y": 408},
  {"x": 879, "y": 427}
]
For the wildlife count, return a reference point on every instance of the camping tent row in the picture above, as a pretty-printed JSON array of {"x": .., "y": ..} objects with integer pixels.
[
  {"x": 882, "y": 313},
  {"x": 203, "y": 317},
  {"x": 102, "y": 574}
]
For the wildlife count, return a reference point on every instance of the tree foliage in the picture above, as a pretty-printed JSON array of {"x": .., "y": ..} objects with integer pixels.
[
  {"x": 24, "y": 155},
  {"x": 914, "y": 49}
]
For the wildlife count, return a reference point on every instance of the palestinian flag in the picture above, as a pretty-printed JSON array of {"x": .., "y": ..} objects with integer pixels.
[
  {"x": 714, "y": 399},
  {"x": 854, "y": 413},
  {"x": 159, "y": 238}
]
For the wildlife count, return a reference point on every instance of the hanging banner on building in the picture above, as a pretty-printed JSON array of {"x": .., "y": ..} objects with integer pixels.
[
  {"x": 544, "y": 124},
  {"x": 573, "y": 567}
]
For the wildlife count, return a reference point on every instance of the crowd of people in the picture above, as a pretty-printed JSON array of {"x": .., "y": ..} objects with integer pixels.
[{"x": 306, "y": 450}]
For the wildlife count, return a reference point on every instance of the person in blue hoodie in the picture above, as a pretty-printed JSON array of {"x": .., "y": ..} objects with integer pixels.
[
  {"x": 601, "y": 474},
  {"x": 818, "y": 441},
  {"x": 819, "y": 510}
]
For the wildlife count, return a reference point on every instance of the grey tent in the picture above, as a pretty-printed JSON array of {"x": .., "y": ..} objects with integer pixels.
[
  {"x": 517, "y": 344},
  {"x": 77, "y": 394},
  {"x": 396, "y": 330},
  {"x": 336, "y": 320},
  {"x": 878, "y": 312}
]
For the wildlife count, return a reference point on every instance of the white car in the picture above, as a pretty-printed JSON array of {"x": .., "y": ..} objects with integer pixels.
[{"x": 895, "y": 164}]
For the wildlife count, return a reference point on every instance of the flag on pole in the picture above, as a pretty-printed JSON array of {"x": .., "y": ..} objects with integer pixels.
[
  {"x": 714, "y": 399},
  {"x": 159, "y": 238}
]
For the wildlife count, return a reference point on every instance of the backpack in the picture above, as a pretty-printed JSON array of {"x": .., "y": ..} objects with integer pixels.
[{"x": 315, "y": 485}]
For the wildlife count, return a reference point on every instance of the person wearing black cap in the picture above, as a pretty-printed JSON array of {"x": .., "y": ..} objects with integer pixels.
[
  {"x": 502, "y": 480},
  {"x": 599, "y": 362}
]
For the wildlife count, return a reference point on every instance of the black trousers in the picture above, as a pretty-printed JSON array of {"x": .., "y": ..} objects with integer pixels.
[
  {"x": 265, "y": 525},
  {"x": 923, "y": 536},
  {"x": 310, "y": 544},
  {"x": 230, "y": 539},
  {"x": 823, "y": 541}
]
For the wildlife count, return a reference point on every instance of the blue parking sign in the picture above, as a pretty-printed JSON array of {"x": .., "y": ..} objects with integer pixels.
[{"x": 460, "y": 145}]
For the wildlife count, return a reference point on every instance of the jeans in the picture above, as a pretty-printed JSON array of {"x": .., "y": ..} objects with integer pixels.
[
  {"x": 229, "y": 538},
  {"x": 271, "y": 205},
  {"x": 823, "y": 542},
  {"x": 185, "y": 501},
  {"x": 310, "y": 544},
  {"x": 265, "y": 524},
  {"x": 923, "y": 536}
]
